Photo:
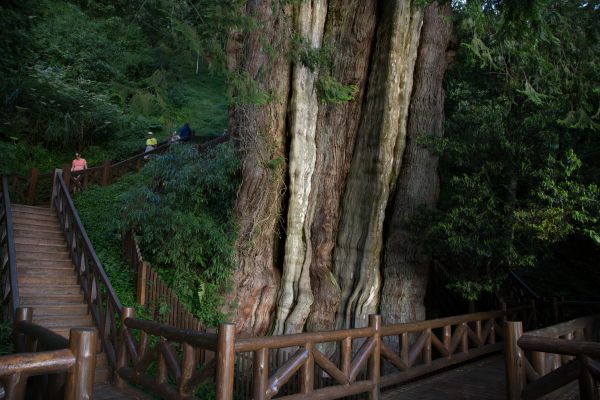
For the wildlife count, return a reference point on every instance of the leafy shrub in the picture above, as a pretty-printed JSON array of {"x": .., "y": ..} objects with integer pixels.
[{"x": 183, "y": 215}]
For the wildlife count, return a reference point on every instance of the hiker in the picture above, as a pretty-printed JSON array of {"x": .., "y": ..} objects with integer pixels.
[
  {"x": 174, "y": 137},
  {"x": 185, "y": 133},
  {"x": 78, "y": 164},
  {"x": 150, "y": 144}
]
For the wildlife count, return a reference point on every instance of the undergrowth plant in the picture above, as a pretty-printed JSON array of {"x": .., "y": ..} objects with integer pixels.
[{"x": 182, "y": 213}]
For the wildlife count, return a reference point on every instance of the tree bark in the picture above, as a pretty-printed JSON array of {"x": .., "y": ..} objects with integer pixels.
[
  {"x": 406, "y": 265},
  {"x": 350, "y": 31},
  {"x": 259, "y": 133},
  {"x": 295, "y": 295},
  {"x": 375, "y": 163}
]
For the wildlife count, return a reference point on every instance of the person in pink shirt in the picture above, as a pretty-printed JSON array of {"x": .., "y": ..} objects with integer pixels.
[{"x": 78, "y": 164}]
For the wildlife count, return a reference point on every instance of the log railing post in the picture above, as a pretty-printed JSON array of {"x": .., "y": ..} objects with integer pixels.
[
  {"x": 514, "y": 360},
  {"x": 33, "y": 178},
  {"x": 260, "y": 378},
  {"x": 142, "y": 271},
  {"x": 128, "y": 312},
  {"x": 22, "y": 314},
  {"x": 374, "y": 366},
  {"x": 80, "y": 378},
  {"x": 225, "y": 361},
  {"x": 106, "y": 173}
]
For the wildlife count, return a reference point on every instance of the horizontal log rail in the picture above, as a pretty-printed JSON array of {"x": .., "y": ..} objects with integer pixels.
[
  {"x": 546, "y": 359},
  {"x": 152, "y": 292},
  {"x": 175, "y": 353},
  {"x": 8, "y": 257},
  {"x": 52, "y": 365},
  {"x": 335, "y": 364},
  {"x": 104, "y": 305}
]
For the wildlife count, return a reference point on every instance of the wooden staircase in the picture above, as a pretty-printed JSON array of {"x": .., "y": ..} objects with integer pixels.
[{"x": 47, "y": 279}]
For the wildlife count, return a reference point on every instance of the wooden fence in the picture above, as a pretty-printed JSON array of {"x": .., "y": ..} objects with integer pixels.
[
  {"x": 53, "y": 366},
  {"x": 152, "y": 292},
  {"x": 546, "y": 359}
]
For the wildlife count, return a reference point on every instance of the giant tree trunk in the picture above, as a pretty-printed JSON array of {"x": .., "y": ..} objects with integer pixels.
[
  {"x": 344, "y": 161},
  {"x": 259, "y": 132},
  {"x": 375, "y": 163},
  {"x": 406, "y": 265}
]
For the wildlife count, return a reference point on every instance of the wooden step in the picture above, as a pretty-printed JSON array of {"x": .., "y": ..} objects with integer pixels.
[
  {"x": 59, "y": 309},
  {"x": 33, "y": 209},
  {"x": 47, "y": 233},
  {"x": 43, "y": 266},
  {"x": 33, "y": 222},
  {"x": 42, "y": 254},
  {"x": 29, "y": 300},
  {"x": 34, "y": 241},
  {"x": 19, "y": 214},
  {"x": 53, "y": 321},
  {"x": 27, "y": 244},
  {"x": 41, "y": 281},
  {"x": 45, "y": 290}
]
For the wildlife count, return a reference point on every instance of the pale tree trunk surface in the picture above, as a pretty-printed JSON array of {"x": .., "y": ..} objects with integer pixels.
[
  {"x": 350, "y": 31},
  {"x": 295, "y": 295},
  {"x": 375, "y": 162},
  {"x": 406, "y": 265},
  {"x": 259, "y": 133},
  {"x": 344, "y": 163}
]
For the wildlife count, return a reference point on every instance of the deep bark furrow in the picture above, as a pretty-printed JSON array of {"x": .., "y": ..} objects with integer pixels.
[
  {"x": 259, "y": 132},
  {"x": 350, "y": 31},
  {"x": 359, "y": 242},
  {"x": 405, "y": 263}
]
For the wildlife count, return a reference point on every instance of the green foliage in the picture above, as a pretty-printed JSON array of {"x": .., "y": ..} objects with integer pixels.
[
  {"x": 99, "y": 210},
  {"x": 95, "y": 77},
  {"x": 519, "y": 165},
  {"x": 183, "y": 214},
  {"x": 331, "y": 91}
]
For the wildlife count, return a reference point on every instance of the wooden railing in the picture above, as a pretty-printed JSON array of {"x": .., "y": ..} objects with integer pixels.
[
  {"x": 319, "y": 365},
  {"x": 8, "y": 257},
  {"x": 331, "y": 365},
  {"x": 52, "y": 366},
  {"x": 176, "y": 353},
  {"x": 544, "y": 360},
  {"x": 104, "y": 305},
  {"x": 152, "y": 292}
]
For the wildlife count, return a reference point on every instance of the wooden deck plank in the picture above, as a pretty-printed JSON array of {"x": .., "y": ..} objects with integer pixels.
[{"x": 479, "y": 380}]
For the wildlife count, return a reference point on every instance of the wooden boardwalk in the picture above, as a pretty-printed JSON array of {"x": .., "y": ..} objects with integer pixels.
[{"x": 478, "y": 380}]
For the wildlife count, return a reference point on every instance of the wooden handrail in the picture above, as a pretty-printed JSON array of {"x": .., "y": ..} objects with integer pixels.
[
  {"x": 8, "y": 261},
  {"x": 43, "y": 352},
  {"x": 102, "y": 299},
  {"x": 176, "y": 353},
  {"x": 544, "y": 360}
]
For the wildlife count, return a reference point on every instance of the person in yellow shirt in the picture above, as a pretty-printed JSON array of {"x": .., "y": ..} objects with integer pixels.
[{"x": 151, "y": 143}]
